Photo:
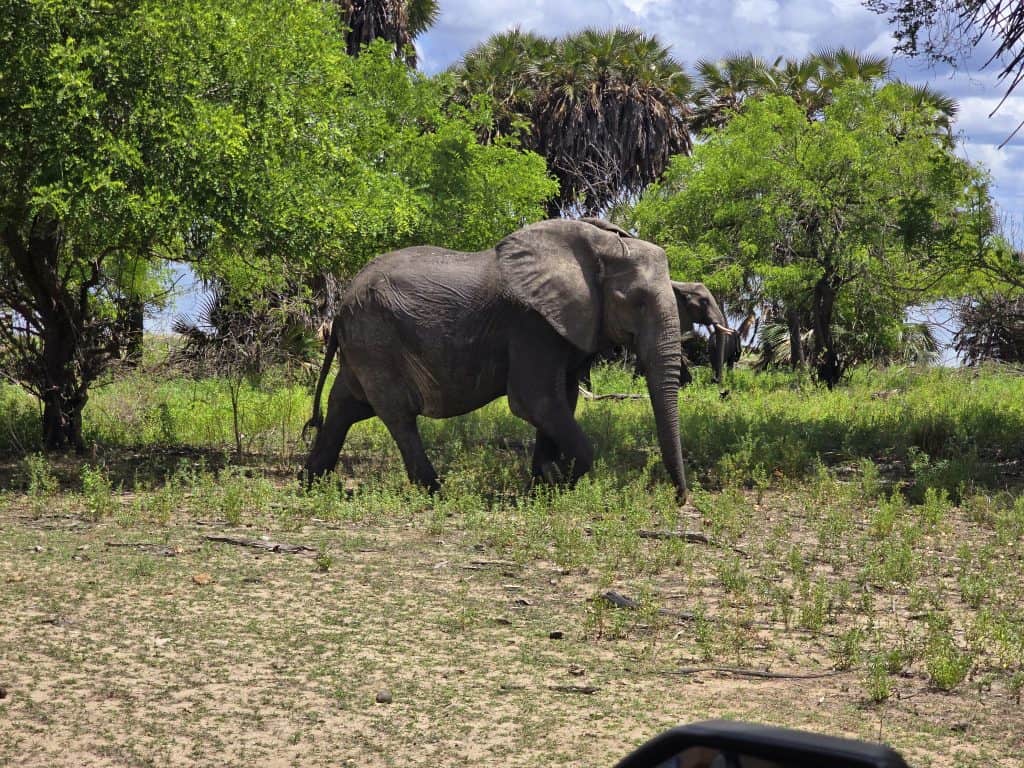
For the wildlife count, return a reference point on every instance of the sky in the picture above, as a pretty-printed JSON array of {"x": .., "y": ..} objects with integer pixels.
[{"x": 713, "y": 29}]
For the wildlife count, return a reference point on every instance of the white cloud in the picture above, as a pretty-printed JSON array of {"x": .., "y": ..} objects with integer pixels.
[
  {"x": 846, "y": 9},
  {"x": 757, "y": 11},
  {"x": 975, "y": 111}
]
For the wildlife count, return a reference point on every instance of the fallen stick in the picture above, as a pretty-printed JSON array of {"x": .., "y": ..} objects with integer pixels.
[
  {"x": 269, "y": 546},
  {"x": 588, "y": 395},
  {"x": 692, "y": 537},
  {"x": 144, "y": 545},
  {"x": 740, "y": 672},
  {"x": 584, "y": 689},
  {"x": 620, "y": 600},
  {"x": 688, "y": 536}
]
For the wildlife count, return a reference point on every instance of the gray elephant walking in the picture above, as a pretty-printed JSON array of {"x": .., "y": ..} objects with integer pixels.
[{"x": 440, "y": 333}]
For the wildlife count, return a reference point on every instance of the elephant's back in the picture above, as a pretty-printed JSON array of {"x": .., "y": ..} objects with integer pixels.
[{"x": 424, "y": 281}]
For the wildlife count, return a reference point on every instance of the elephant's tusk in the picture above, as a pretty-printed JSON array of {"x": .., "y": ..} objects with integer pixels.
[{"x": 723, "y": 329}]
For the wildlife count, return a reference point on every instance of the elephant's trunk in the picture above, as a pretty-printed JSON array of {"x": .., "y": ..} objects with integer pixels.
[
  {"x": 661, "y": 358},
  {"x": 720, "y": 346}
]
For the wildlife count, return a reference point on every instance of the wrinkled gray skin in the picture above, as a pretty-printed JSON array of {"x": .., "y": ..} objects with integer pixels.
[
  {"x": 697, "y": 306},
  {"x": 428, "y": 331}
]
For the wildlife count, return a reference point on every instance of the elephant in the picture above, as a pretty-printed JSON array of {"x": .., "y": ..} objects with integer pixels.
[
  {"x": 439, "y": 333},
  {"x": 697, "y": 306}
]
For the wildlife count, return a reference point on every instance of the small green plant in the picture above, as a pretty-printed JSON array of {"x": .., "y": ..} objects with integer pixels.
[
  {"x": 97, "y": 493},
  {"x": 947, "y": 665},
  {"x": 705, "y": 633},
  {"x": 877, "y": 684},
  {"x": 935, "y": 508},
  {"x": 232, "y": 498},
  {"x": 42, "y": 483},
  {"x": 159, "y": 505},
  {"x": 324, "y": 560},
  {"x": 976, "y": 589},
  {"x": 1010, "y": 522},
  {"x": 733, "y": 576},
  {"x": 883, "y": 519},
  {"x": 846, "y": 650},
  {"x": 1015, "y": 686},
  {"x": 814, "y": 612},
  {"x": 727, "y": 515},
  {"x": 870, "y": 479}
]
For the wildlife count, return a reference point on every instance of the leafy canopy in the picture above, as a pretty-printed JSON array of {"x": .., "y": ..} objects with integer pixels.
[
  {"x": 870, "y": 196},
  {"x": 237, "y": 136}
]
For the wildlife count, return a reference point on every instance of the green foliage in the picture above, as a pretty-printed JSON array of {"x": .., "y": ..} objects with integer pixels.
[
  {"x": 97, "y": 493},
  {"x": 946, "y": 664},
  {"x": 238, "y": 137},
  {"x": 868, "y": 201}
]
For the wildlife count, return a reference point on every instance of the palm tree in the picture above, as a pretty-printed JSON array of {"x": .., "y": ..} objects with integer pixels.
[
  {"x": 612, "y": 109},
  {"x": 941, "y": 109},
  {"x": 605, "y": 109},
  {"x": 725, "y": 85},
  {"x": 506, "y": 67},
  {"x": 841, "y": 65},
  {"x": 397, "y": 21}
]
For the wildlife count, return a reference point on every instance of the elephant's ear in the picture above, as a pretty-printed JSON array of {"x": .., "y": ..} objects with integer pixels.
[
  {"x": 554, "y": 267},
  {"x": 606, "y": 225},
  {"x": 684, "y": 298}
]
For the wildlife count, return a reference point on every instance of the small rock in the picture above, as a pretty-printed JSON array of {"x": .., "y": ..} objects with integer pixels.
[
  {"x": 37, "y": 548},
  {"x": 383, "y": 696},
  {"x": 3, "y": 692},
  {"x": 576, "y": 670},
  {"x": 556, "y": 634},
  {"x": 202, "y": 579}
]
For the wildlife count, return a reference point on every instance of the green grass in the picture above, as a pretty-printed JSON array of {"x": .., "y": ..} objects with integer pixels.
[{"x": 879, "y": 537}]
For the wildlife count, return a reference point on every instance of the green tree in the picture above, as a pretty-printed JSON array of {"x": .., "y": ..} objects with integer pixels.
[
  {"x": 239, "y": 137},
  {"x": 867, "y": 202}
]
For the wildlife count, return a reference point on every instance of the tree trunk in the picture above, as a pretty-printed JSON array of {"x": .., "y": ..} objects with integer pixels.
[
  {"x": 63, "y": 398},
  {"x": 828, "y": 365},
  {"x": 796, "y": 347},
  {"x": 134, "y": 327}
]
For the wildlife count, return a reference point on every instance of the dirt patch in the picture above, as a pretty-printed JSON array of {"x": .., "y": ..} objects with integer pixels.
[{"x": 114, "y": 652}]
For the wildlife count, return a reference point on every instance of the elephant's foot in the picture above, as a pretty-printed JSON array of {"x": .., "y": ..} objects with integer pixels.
[{"x": 551, "y": 473}]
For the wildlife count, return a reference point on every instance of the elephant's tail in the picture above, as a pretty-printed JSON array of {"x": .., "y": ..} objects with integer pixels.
[{"x": 317, "y": 420}]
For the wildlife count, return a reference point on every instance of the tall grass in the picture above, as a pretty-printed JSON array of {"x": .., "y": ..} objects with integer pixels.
[{"x": 939, "y": 428}]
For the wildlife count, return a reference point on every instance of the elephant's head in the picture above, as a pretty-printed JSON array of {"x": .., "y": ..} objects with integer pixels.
[
  {"x": 597, "y": 286},
  {"x": 697, "y": 306}
]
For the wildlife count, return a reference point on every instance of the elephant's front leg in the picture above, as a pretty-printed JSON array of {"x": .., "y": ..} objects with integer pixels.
[
  {"x": 562, "y": 449},
  {"x": 549, "y": 464},
  {"x": 545, "y": 456}
]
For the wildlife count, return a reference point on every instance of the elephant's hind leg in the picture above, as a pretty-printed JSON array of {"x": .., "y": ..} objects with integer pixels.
[
  {"x": 343, "y": 410},
  {"x": 402, "y": 427}
]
